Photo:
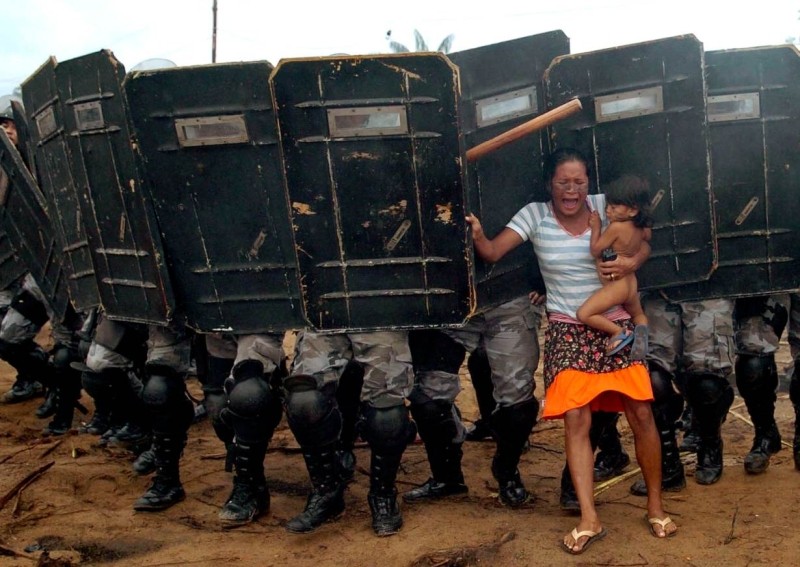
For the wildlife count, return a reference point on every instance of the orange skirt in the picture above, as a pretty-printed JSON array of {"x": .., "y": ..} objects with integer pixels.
[{"x": 573, "y": 389}]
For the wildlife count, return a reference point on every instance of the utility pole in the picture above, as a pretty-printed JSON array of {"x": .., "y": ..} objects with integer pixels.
[{"x": 214, "y": 34}]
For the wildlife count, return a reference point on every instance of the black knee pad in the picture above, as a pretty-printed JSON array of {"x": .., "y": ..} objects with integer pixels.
[
  {"x": 667, "y": 403},
  {"x": 434, "y": 418},
  {"x": 164, "y": 396},
  {"x": 29, "y": 307},
  {"x": 710, "y": 398},
  {"x": 313, "y": 413},
  {"x": 706, "y": 389},
  {"x": 253, "y": 408},
  {"x": 756, "y": 374},
  {"x": 62, "y": 357},
  {"x": 387, "y": 430}
]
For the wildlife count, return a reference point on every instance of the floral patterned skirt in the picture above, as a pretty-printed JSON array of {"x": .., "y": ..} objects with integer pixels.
[{"x": 577, "y": 371}]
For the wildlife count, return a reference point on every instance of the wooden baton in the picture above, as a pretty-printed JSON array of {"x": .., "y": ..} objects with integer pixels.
[{"x": 541, "y": 121}]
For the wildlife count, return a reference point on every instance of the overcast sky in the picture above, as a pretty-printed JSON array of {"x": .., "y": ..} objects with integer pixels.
[{"x": 181, "y": 30}]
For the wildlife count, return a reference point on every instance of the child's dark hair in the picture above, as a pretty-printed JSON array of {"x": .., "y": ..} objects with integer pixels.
[{"x": 633, "y": 191}]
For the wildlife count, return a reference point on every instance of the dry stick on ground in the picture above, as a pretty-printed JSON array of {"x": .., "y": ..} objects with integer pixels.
[
  {"x": 739, "y": 416},
  {"x": 14, "y": 454},
  {"x": 24, "y": 483},
  {"x": 51, "y": 448},
  {"x": 730, "y": 537},
  {"x": 7, "y": 551}
]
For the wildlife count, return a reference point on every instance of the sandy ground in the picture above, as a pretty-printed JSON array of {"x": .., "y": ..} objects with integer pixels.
[{"x": 79, "y": 509}]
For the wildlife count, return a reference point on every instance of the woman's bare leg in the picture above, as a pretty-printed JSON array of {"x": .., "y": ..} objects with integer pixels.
[
  {"x": 648, "y": 454},
  {"x": 580, "y": 459}
]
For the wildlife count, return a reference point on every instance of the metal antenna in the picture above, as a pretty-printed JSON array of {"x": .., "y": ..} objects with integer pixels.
[{"x": 214, "y": 34}]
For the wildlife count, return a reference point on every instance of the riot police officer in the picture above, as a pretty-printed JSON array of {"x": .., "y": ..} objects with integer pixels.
[
  {"x": 691, "y": 343},
  {"x": 508, "y": 335},
  {"x": 245, "y": 412},
  {"x": 315, "y": 418},
  {"x": 759, "y": 324}
]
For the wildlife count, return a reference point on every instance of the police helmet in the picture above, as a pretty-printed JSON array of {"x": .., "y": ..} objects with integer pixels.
[{"x": 6, "y": 112}]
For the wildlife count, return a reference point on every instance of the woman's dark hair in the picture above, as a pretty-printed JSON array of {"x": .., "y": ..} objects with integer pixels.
[
  {"x": 562, "y": 155},
  {"x": 632, "y": 191}
]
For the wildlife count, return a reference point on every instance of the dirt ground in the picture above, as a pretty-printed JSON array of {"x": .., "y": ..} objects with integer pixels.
[{"x": 79, "y": 509}]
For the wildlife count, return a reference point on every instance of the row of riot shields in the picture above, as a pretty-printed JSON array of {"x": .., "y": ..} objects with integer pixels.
[{"x": 331, "y": 192}]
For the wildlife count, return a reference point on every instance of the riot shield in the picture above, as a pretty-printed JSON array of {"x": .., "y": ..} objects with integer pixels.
[
  {"x": 11, "y": 267},
  {"x": 375, "y": 175},
  {"x": 644, "y": 114},
  {"x": 753, "y": 122},
  {"x": 501, "y": 87},
  {"x": 29, "y": 229},
  {"x": 48, "y": 140},
  {"x": 123, "y": 238},
  {"x": 209, "y": 140}
]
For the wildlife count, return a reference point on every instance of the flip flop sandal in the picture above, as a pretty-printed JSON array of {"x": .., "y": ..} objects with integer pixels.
[
  {"x": 640, "y": 342},
  {"x": 624, "y": 340},
  {"x": 653, "y": 522},
  {"x": 576, "y": 535}
]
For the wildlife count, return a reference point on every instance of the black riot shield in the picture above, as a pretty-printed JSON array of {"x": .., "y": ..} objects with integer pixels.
[
  {"x": 209, "y": 139},
  {"x": 753, "y": 121},
  {"x": 501, "y": 87},
  {"x": 644, "y": 114},
  {"x": 29, "y": 229},
  {"x": 375, "y": 175},
  {"x": 123, "y": 238},
  {"x": 11, "y": 266},
  {"x": 49, "y": 144}
]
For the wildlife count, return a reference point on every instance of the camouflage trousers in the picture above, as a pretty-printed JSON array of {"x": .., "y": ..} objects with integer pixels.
[
  {"x": 758, "y": 333},
  {"x": 266, "y": 348},
  {"x": 15, "y": 328},
  {"x": 170, "y": 347},
  {"x": 508, "y": 334},
  {"x": 384, "y": 355},
  {"x": 692, "y": 337}
]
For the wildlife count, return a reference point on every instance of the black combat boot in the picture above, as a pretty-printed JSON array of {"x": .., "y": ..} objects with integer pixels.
[
  {"x": 250, "y": 496},
  {"x": 757, "y": 380},
  {"x": 711, "y": 398},
  {"x": 442, "y": 434},
  {"x": 326, "y": 501},
  {"x": 612, "y": 458},
  {"x": 145, "y": 462},
  {"x": 447, "y": 479},
  {"x": 673, "y": 477},
  {"x": 68, "y": 392},
  {"x": 382, "y": 497},
  {"x": 568, "y": 499},
  {"x": 48, "y": 407},
  {"x": 166, "y": 489},
  {"x": 511, "y": 426}
]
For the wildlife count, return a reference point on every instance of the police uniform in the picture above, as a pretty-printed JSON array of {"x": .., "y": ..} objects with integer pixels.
[
  {"x": 759, "y": 324},
  {"x": 169, "y": 410},
  {"x": 507, "y": 333},
  {"x": 315, "y": 419},
  {"x": 28, "y": 311},
  {"x": 691, "y": 345},
  {"x": 243, "y": 394}
]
